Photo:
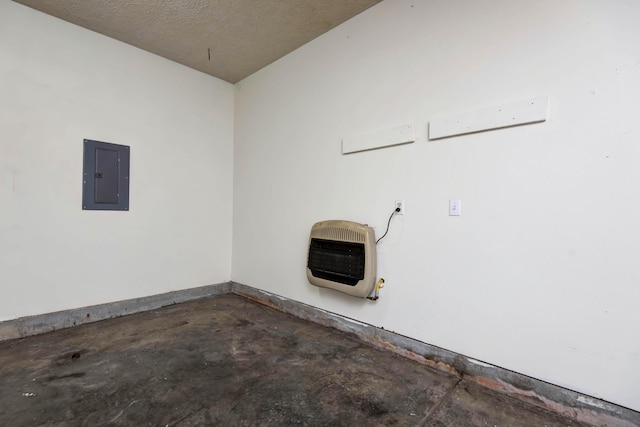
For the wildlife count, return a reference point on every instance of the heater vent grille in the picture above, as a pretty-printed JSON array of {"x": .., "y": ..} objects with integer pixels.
[{"x": 342, "y": 256}]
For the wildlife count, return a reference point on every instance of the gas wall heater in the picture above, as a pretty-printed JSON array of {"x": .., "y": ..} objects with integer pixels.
[{"x": 342, "y": 256}]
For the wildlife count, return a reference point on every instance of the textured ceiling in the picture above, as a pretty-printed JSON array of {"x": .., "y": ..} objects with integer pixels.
[{"x": 228, "y": 39}]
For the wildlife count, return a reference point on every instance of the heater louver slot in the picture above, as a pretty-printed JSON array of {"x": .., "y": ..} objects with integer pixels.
[
  {"x": 341, "y": 234},
  {"x": 342, "y": 257}
]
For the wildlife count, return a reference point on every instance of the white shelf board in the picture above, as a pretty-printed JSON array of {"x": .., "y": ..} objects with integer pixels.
[
  {"x": 532, "y": 110},
  {"x": 378, "y": 139}
]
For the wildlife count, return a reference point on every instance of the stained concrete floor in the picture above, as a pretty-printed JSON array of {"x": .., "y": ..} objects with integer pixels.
[{"x": 231, "y": 362}]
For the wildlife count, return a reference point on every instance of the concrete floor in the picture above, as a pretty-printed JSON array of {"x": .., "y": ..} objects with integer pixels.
[{"x": 229, "y": 361}]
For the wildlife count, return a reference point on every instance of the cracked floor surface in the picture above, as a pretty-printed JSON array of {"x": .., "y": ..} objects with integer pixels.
[{"x": 229, "y": 361}]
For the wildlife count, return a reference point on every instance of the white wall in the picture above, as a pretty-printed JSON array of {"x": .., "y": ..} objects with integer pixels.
[
  {"x": 59, "y": 84},
  {"x": 540, "y": 274}
]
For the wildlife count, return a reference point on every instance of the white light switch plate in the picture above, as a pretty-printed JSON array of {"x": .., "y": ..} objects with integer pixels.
[{"x": 455, "y": 207}]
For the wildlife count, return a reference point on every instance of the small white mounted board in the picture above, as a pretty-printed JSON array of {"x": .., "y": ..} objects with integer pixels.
[
  {"x": 378, "y": 139},
  {"x": 532, "y": 110}
]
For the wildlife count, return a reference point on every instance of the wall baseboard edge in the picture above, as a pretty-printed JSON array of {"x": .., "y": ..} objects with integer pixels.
[
  {"x": 575, "y": 405},
  {"x": 557, "y": 399},
  {"x": 48, "y": 322}
]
